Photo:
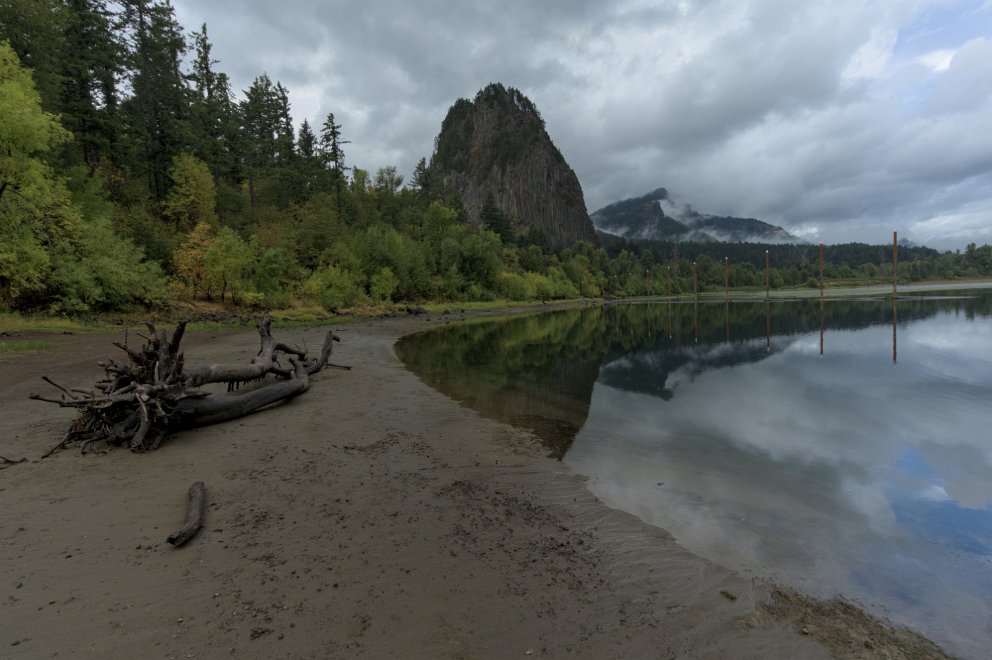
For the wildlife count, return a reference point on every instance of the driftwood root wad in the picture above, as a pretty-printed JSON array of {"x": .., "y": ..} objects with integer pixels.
[
  {"x": 154, "y": 393},
  {"x": 195, "y": 511}
]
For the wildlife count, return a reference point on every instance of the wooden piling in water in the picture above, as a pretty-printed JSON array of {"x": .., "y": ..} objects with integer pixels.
[
  {"x": 821, "y": 325},
  {"x": 895, "y": 317},
  {"x": 768, "y": 326}
]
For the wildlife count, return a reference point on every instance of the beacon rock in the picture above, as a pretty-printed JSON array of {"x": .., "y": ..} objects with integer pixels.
[{"x": 497, "y": 146}]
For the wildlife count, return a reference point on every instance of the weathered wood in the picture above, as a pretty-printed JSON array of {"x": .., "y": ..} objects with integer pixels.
[
  {"x": 260, "y": 365},
  {"x": 195, "y": 512},
  {"x": 139, "y": 403},
  {"x": 219, "y": 408},
  {"x": 7, "y": 462}
]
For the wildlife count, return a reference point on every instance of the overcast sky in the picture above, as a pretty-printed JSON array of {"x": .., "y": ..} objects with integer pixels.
[{"x": 839, "y": 120}]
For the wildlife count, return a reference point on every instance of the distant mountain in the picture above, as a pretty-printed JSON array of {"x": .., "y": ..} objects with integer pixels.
[
  {"x": 656, "y": 217},
  {"x": 495, "y": 151}
]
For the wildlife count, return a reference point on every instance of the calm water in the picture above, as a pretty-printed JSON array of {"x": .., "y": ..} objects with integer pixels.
[{"x": 828, "y": 447}]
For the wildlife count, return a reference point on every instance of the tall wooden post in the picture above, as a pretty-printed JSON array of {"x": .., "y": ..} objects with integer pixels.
[
  {"x": 726, "y": 276},
  {"x": 695, "y": 288},
  {"x": 767, "y": 276},
  {"x": 821, "y": 271},
  {"x": 895, "y": 264}
]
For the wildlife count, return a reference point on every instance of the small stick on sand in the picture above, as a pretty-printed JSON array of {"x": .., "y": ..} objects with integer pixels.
[{"x": 194, "y": 515}]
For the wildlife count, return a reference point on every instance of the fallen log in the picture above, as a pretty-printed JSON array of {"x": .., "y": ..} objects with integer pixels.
[
  {"x": 154, "y": 393},
  {"x": 225, "y": 407},
  {"x": 195, "y": 511}
]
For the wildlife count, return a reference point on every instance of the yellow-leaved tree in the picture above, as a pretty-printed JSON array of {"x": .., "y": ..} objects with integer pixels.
[
  {"x": 193, "y": 197},
  {"x": 58, "y": 250},
  {"x": 34, "y": 205}
]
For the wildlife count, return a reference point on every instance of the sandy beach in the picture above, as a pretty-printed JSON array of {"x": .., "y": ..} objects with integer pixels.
[{"x": 371, "y": 517}]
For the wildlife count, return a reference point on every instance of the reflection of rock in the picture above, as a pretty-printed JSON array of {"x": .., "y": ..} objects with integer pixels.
[{"x": 648, "y": 372}]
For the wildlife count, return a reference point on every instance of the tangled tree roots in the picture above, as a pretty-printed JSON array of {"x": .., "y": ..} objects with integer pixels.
[{"x": 140, "y": 402}]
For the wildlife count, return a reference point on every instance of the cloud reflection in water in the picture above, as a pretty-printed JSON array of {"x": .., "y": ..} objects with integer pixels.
[{"x": 842, "y": 474}]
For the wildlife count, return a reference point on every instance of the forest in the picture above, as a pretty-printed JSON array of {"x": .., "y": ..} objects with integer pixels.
[{"x": 133, "y": 176}]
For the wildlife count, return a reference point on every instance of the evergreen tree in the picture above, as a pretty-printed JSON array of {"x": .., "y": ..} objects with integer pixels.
[
  {"x": 157, "y": 110},
  {"x": 261, "y": 120},
  {"x": 90, "y": 67},
  {"x": 420, "y": 181},
  {"x": 494, "y": 220},
  {"x": 285, "y": 141},
  {"x": 34, "y": 29},
  {"x": 306, "y": 143},
  {"x": 308, "y": 165},
  {"x": 213, "y": 113},
  {"x": 332, "y": 154}
]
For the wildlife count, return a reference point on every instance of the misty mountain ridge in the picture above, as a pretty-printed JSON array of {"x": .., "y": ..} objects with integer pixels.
[{"x": 657, "y": 217}]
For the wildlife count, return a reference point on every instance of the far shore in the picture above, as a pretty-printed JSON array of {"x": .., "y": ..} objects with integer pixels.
[{"x": 371, "y": 517}]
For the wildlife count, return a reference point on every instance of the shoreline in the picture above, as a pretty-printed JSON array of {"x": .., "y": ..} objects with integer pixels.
[{"x": 370, "y": 517}]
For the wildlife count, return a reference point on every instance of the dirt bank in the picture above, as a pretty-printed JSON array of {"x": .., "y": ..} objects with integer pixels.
[{"x": 372, "y": 517}]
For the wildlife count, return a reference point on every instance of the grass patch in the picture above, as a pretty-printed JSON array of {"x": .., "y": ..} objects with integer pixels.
[
  {"x": 25, "y": 322},
  {"x": 489, "y": 305},
  {"x": 10, "y": 346}
]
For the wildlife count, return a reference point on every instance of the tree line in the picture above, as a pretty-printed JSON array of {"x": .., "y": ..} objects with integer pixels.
[{"x": 132, "y": 174}]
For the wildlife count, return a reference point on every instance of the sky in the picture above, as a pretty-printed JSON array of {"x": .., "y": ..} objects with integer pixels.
[{"x": 840, "y": 120}]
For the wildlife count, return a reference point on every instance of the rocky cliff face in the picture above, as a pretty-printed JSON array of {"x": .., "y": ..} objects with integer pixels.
[{"x": 497, "y": 145}]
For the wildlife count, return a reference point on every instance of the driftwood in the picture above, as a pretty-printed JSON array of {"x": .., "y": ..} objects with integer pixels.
[
  {"x": 194, "y": 515},
  {"x": 140, "y": 402},
  {"x": 6, "y": 462}
]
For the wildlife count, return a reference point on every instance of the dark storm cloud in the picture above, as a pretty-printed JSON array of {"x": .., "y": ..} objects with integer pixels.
[{"x": 838, "y": 119}]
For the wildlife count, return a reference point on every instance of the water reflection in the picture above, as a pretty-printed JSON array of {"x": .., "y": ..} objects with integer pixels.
[{"x": 776, "y": 437}]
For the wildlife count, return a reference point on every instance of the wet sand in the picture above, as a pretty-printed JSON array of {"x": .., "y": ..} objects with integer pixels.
[{"x": 372, "y": 517}]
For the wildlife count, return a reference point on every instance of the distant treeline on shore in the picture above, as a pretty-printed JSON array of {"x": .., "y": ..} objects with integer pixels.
[{"x": 132, "y": 176}]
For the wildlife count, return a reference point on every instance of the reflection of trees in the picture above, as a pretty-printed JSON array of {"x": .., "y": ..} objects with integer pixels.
[
  {"x": 538, "y": 371},
  {"x": 533, "y": 371}
]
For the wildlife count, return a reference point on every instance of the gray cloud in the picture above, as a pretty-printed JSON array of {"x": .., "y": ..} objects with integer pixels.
[{"x": 843, "y": 120}]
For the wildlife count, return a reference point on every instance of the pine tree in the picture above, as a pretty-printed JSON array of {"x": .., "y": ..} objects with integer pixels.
[
  {"x": 34, "y": 30},
  {"x": 332, "y": 154},
  {"x": 421, "y": 178},
  {"x": 285, "y": 140},
  {"x": 306, "y": 143},
  {"x": 262, "y": 126},
  {"x": 90, "y": 67},
  {"x": 157, "y": 111},
  {"x": 494, "y": 220},
  {"x": 308, "y": 164},
  {"x": 213, "y": 113}
]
